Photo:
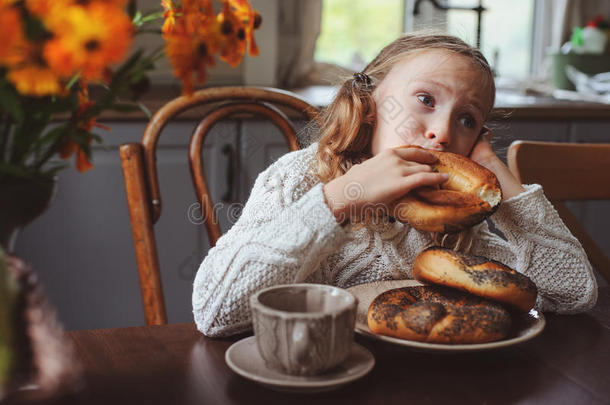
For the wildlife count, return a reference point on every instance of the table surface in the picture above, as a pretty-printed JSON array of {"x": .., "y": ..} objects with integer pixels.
[{"x": 569, "y": 363}]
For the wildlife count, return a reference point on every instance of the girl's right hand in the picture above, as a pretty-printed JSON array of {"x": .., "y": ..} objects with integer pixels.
[{"x": 379, "y": 181}]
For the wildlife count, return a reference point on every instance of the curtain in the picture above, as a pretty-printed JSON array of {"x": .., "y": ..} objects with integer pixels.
[{"x": 298, "y": 30}]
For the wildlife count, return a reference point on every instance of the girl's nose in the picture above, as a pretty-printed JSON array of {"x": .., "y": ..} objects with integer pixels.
[{"x": 438, "y": 137}]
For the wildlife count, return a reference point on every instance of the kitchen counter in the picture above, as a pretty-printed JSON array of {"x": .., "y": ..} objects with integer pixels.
[{"x": 508, "y": 104}]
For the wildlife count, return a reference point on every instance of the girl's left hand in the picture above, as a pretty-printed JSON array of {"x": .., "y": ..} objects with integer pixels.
[
  {"x": 482, "y": 152},
  {"x": 485, "y": 156}
]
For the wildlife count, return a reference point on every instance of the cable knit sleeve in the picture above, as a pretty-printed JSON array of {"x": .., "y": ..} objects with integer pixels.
[
  {"x": 284, "y": 232},
  {"x": 540, "y": 246}
]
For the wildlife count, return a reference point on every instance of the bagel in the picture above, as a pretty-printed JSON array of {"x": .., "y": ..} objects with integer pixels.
[
  {"x": 471, "y": 194},
  {"x": 437, "y": 314},
  {"x": 476, "y": 274}
]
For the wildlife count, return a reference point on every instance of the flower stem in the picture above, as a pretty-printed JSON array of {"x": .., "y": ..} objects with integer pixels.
[
  {"x": 46, "y": 156},
  {"x": 4, "y": 134}
]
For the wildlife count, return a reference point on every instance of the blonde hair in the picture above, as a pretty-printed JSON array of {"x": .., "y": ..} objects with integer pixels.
[{"x": 346, "y": 126}]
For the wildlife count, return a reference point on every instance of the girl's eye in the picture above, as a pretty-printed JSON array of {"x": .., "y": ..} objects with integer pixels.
[
  {"x": 426, "y": 100},
  {"x": 468, "y": 122}
]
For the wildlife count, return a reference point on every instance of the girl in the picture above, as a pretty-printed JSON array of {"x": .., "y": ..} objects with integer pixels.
[{"x": 323, "y": 214}]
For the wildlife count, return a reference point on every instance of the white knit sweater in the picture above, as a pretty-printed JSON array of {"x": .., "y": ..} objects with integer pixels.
[{"x": 287, "y": 234}]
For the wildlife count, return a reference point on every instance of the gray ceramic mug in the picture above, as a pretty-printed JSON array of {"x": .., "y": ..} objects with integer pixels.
[{"x": 303, "y": 329}]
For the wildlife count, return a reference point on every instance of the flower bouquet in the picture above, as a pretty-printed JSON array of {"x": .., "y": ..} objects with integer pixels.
[{"x": 53, "y": 52}]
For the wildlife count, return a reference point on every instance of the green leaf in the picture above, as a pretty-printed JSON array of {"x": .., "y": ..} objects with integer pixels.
[
  {"x": 119, "y": 84},
  {"x": 81, "y": 137},
  {"x": 53, "y": 135},
  {"x": 52, "y": 141},
  {"x": 137, "y": 19},
  {"x": 97, "y": 138},
  {"x": 58, "y": 105},
  {"x": 9, "y": 101},
  {"x": 9, "y": 293},
  {"x": 145, "y": 110},
  {"x": 73, "y": 80},
  {"x": 153, "y": 16}
]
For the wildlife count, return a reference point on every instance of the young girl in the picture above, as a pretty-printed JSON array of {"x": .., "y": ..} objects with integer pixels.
[{"x": 314, "y": 215}]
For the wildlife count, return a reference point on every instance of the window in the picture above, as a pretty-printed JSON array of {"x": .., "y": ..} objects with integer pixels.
[
  {"x": 353, "y": 31},
  {"x": 506, "y": 33}
]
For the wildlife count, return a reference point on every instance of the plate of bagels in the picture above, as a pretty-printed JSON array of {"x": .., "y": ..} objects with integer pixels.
[{"x": 457, "y": 303}]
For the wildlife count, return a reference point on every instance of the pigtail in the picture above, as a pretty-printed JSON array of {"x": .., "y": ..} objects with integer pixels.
[{"x": 347, "y": 126}]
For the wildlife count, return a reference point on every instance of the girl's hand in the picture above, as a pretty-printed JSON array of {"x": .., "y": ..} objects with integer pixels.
[
  {"x": 485, "y": 156},
  {"x": 379, "y": 181},
  {"x": 482, "y": 153}
]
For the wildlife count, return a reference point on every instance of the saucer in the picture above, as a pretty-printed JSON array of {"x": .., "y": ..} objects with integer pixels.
[{"x": 243, "y": 358}]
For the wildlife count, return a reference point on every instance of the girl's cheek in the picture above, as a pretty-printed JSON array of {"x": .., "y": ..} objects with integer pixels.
[
  {"x": 399, "y": 122},
  {"x": 410, "y": 129},
  {"x": 464, "y": 144}
]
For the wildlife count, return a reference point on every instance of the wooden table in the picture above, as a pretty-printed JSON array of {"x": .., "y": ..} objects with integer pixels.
[{"x": 569, "y": 363}]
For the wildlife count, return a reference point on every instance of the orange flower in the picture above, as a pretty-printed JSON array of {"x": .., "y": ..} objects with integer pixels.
[
  {"x": 188, "y": 56},
  {"x": 194, "y": 35},
  {"x": 237, "y": 21},
  {"x": 43, "y": 8},
  {"x": 193, "y": 41},
  {"x": 79, "y": 116},
  {"x": 87, "y": 39},
  {"x": 82, "y": 161},
  {"x": 233, "y": 35},
  {"x": 11, "y": 34},
  {"x": 34, "y": 80},
  {"x": 25, "y": 70},
  {"x": 250, "y": 20},
  {"x": 170, "y": 16},
  {"x": 194, "y": 6}
]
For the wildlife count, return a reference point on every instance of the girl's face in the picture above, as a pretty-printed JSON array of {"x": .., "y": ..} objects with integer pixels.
[{"x": 433, "y": 98}]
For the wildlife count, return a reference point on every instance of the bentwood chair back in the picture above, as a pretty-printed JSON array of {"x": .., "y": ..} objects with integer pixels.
[
  {"x": 138, "y": 161},
  {"x": 567, "y": 171}
]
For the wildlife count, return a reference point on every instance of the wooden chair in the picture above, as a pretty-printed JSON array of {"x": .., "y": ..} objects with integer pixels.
[
  {"x": 138, "y": 161},
  {"x": 567, "y": 171}
]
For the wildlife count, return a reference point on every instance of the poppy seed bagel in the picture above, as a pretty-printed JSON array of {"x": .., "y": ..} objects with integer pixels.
[
  {"x": 475, "y": 274},
  {"x": 437, "y": 314}
]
